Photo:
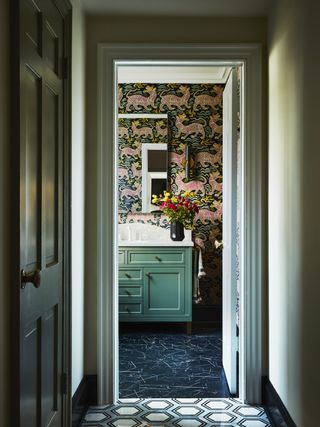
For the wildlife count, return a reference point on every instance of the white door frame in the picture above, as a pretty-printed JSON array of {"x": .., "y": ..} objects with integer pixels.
[
  {"x": 230, "y": 198},
  {"x": 110, "y": 56}
]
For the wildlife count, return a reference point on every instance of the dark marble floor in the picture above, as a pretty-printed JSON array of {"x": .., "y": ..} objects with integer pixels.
[{"x": 171, "y": 364}]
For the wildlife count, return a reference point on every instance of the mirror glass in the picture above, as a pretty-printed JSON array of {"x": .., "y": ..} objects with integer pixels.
[{"x": 154, "y": 173}]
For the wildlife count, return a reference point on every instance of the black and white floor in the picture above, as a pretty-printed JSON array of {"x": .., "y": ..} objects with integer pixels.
[
  {"x": 176, "y": 413},
  {"x": 168, "y": 378},
  {"x": 158, "y": 364}
]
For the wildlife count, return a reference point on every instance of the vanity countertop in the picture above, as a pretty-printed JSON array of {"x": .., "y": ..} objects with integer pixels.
[
  {"x": 147, "y": 235},
  {"x": 158, "y": 243}
]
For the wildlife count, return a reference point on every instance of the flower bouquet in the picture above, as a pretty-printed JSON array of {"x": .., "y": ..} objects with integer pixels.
[{"x": 180, "y": 210}]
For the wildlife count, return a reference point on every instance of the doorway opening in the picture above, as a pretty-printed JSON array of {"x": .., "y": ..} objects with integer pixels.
[
  {"x": 137, "y": 259},
  {"x": 175, "y": 125}
]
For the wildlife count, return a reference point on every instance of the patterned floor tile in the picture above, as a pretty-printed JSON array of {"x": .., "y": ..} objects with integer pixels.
[
  {"x": 158, "y": 365},
  {"x": 177, "y": 413}
]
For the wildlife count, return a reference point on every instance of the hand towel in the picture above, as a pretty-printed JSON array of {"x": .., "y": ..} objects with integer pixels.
[{"x": 201, "y": 272}]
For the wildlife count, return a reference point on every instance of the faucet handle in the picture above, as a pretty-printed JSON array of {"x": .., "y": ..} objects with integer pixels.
[{"x": 218, "y": 244}]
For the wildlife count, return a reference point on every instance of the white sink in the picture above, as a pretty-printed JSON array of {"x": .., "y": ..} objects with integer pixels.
[{"x": 137, "y": 234}]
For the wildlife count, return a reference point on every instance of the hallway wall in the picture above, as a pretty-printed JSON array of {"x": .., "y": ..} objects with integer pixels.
[
  {"x": 4, "y": 212},
  {"x": 294, "y": 207},
  {"x": 142, "y": 30},
  {"x": 78, "y": 198}
]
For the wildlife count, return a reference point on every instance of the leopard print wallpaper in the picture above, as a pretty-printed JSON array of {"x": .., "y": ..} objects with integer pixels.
[{"x": 194, "y": 120}]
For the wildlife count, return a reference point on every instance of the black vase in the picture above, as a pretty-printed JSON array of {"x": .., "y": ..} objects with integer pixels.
[{"x": 176, "y": 231}]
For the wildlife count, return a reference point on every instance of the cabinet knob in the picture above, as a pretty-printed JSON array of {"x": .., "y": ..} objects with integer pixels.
[
  {"x": 127, "y": 275},
  {"x": 127, "y": 292},
  {"x": 148, "y": 275},
  {"x": 127, "y": 309},
  {"x": 157, "y": 258}
]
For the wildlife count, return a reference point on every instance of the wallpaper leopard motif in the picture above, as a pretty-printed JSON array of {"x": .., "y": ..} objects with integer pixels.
[
  {"x": 132, "y": 134},
  {"x": 194, "y": 119}
]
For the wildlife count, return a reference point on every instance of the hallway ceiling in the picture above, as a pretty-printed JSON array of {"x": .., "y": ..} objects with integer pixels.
[{"x": 180, "y": 8}]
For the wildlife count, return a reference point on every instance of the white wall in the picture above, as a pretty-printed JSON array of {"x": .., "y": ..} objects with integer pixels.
[
  {"x": 294, "y": 207},
  {"x": 4, "y": 213},
  {"x": 78, "y": 197}
]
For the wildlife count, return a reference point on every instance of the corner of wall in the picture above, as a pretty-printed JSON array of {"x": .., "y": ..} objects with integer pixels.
[{"x": 294, "y": 206}]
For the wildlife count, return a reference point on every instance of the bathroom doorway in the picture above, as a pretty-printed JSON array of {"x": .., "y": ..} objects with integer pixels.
[
  {"x": 140, "y": 259},
  {"x": 172, "y": 124}
]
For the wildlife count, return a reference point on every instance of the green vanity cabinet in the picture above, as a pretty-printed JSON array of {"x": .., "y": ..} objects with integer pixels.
[{"x": 155, "y": 284}]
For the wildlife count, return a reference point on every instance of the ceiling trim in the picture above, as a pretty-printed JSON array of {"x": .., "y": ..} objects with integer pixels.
[
  {"x": 178, "y": 8},
  {"x": 173, "y": 74}
]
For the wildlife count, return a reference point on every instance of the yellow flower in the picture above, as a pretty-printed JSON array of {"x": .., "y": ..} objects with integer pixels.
[
  {"x": 193, "y": 194},
  {"x": 174, "y": 200},
  {"x": 186, "y": 194},
  {"x": 166, "y": 198},
  {"x": 154, "y": 199},
  {"x": 166, "y": 194}
]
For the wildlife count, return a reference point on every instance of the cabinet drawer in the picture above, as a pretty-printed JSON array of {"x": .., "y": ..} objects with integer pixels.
[
  {"x": 130, "y": 274},
  {"x": 156, "y": 257},
  {"x": 130, "y": 291},
  {"x": 130, "y": 308},
  {"x": 122, "y": 257}
]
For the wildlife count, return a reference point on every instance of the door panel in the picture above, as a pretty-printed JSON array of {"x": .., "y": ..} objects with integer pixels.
[
  {"x": 31, "y": 196},
  {"x": 30, "y": 374},
  {"x": 50, "y": 365},
  {"x": 229, "y": 327},
  {"x": 42, "y": 144},
  {"x": 51, "y": 175},
  {"x": 31, "y": 23}
]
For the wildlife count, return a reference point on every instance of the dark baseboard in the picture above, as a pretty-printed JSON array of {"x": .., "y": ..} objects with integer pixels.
[
  {"x": 85, "y": 396},
  {"x": 207, "y": 313},
  {"x": 275, "y": 409}
]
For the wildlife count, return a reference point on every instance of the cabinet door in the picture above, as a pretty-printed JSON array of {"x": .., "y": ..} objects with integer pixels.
[{"x": 164, "y": 292}]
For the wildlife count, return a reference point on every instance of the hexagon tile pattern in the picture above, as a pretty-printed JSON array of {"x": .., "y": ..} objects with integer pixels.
[{"x": 176, "y": 413}]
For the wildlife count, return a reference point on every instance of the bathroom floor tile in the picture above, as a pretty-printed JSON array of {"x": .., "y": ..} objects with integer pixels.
[{"x": 160, "y": 365}]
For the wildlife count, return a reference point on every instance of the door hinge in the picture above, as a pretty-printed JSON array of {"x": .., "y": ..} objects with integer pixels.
[{"x": 64, "y": 383}]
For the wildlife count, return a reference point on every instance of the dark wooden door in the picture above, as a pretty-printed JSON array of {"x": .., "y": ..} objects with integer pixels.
[{"x": 42, "y": 139}]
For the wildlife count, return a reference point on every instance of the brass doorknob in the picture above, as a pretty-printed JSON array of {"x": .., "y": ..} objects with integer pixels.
[{"x": 33, "y": 277}]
